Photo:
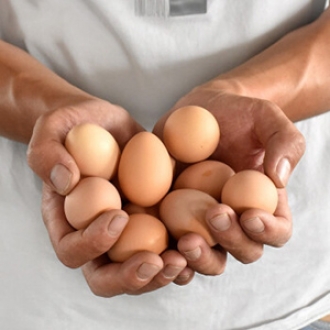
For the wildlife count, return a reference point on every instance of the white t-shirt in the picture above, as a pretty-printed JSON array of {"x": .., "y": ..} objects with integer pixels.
[{"x": 145, "y": 64}]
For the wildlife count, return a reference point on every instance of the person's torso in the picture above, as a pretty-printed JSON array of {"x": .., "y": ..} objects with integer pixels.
[{"x": 145, "y": 63}]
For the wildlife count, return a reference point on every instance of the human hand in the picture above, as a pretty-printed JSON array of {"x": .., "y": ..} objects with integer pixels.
[
  {"x": 255, "y": 134},
  {"x": 143, "y": 272},
  {"x": 48, "y": 157}
]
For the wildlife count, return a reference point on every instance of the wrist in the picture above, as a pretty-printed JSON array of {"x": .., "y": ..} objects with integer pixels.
[
  {"x": 228, "y": 84},
  {"x": 20, "y": 127}
]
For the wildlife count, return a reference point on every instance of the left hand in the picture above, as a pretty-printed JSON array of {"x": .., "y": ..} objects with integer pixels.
[
  {"x": 255, "y": 134},
  {"x": 87, "y": 248}
]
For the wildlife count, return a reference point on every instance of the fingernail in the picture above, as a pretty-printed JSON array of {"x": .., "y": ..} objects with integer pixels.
[
  {"x": 255, "y": 225},
  {"x": 183, "y": 277},
  {"x": 60, "y": 176},
  {"x": 146, "y": 271},
  {"x": 171, "y": 271},
  {"x": 193, "y": 254},
  {"x": 221, "y": 222},
  {"x": 283, "y": 170},
  {"x": 117, "y": 225}
]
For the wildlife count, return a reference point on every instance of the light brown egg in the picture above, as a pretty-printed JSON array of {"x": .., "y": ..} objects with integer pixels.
[
  {"x": 208, "y": 176},
  {"x": 142, "y": 233},
  {"x": 88, "y": 200},
  {"x": 145, "y": 170},
  {"x": 94, "y": 149},
  {"x": 183, "y": 211},
  {"x": 191, "y": 134},
  {"x": 250, "y": 189}
]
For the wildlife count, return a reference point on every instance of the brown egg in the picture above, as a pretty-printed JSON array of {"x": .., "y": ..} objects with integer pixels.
[
  {"x": 183, "y": 211},
  {"x": 250, "y": 189},
  {"x": 208, "y": 176},
  {"x": 191, "y": 134},
  {"x": 94, "y": 149},
  {"x": 131, "y": 208},
  {"x": 142, "y": 233},
  {"x": 145, "y": 170},
  {"x": 88, "y": 200}
]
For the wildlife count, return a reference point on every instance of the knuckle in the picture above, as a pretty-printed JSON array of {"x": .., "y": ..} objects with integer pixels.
[
  {"x": 212, "y": 266},
  {"x": 97, "y": 239},
  {"x": 184, "y": 279},
  {"x": 66, "y": 260},
  {"x": 34, "y": 153},
  {"x": 132, "y": 287},
  {"x": 300, "y": 143},
  {"x": 297, "y": 141},
  {"x": 280, "y": 242},
  {"x": 97, "y": 289},
  {"x": 66, "y": 255},
  {"x": 281, "y": 235},
  {"x": 252, "y": 256},
  {"x": 99, "y": 246},
  {"x": 218, "y": 269}
]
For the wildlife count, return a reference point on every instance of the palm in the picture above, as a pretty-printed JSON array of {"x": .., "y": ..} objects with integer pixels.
[{"x": 239, "y": 145}]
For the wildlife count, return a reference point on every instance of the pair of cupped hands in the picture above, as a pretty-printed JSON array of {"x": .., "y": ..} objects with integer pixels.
[{"x": 255, "y": 134}]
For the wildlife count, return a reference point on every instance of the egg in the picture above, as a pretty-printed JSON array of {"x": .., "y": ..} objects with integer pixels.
[
  {"x": 94, "y": 149},
  {"x": 208, "y": 176},
  {"x": 183, "y": 211},
  {"x": 143, "y": 232},
  {"x": 250, "y": 189},
  {"x": 191, "y": 134},
  {"x": 145, "y": 170},
  {"x": 91, "y": 197}
]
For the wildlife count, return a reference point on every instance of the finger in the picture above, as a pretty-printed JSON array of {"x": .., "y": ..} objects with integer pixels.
[
  {"x": 46, "y": 153},
  {"x": 48, "y": 157},
  {"x": 274, "y": 230},
  {"x": 185, "y": 277},
  {"x": 111, "y": 279},
  {"x": 174, "y": 266},
  {"x": 200, "y": 256},
  {"x": 227, "y": 231},
  {"x": 75, "y": 248},
  {"x": 284, "y": 144}
]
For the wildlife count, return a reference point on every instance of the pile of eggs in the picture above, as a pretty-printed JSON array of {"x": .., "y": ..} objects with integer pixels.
[{"x": 141, "y": 180}]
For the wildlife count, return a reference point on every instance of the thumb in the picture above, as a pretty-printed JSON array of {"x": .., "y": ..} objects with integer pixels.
[
  {"x": 284, "y": 149},
  {"x": 63, "y": 175},
  {"x": 49, "y": 159},
  {"x": 284, "y": 144}
]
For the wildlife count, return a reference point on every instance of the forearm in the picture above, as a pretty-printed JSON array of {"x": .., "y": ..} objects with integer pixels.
[
  {"x": 294, "y": 73},
  {"x": 27, "y": 90}
]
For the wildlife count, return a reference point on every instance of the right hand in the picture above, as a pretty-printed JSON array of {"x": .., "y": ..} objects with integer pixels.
[
  {"x": 49, "y": 159},
  {"x": 255, "y": 134}
]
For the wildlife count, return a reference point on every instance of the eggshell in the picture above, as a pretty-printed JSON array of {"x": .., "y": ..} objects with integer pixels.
[
  {"x": 250, "y": 189},
  {"x": 142, "y": 233},
  {"x": 94, "y": 149},
  {"x": 191, "y": 134},
  {"x": 88, "y": 199},
  {"x": 183, "y": 211},
  {"x": 208, "y": 176},
  {"x": 145, "y": 170}
]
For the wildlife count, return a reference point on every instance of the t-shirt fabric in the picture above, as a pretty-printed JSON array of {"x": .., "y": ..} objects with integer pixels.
[{"x": 145, "y": 61}]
